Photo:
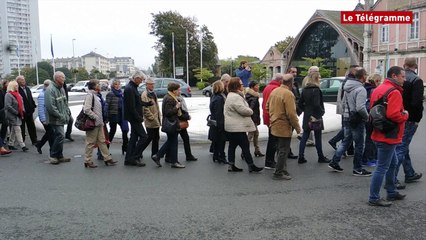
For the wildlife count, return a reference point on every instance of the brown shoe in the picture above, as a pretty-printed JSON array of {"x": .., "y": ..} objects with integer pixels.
[{"x": 64, "y": 159}]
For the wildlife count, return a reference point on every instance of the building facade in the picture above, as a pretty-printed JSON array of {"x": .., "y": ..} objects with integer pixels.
[
  {"x": 273, "y": 62},
  {"x": 20, "y": 31},
  {"x": 95, "y": 60},
  {"x": 69, "y": 63},
  {"x": 392, "y": 43},
  {"x": 123, "y": 66}
]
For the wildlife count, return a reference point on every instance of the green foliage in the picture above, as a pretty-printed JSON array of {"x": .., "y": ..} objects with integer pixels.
[
  {"x": 96, "y": 74},
  {"x": 258, "y": 71},
  {"x": 162, "y": 26},
  {"x": 47, "y": 67},
  {"x": 325, "y": 73},
  {"x": 203, "y": 75},
  {"x": 282, "y": 45},
  {"x": 262, "y": 86},
  {"x": 82, "y": 74},
  {"x": 201, "y": 85}
]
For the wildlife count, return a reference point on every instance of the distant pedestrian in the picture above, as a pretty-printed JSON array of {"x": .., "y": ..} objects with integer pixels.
[
  {"x": 217, "y": 131},
  {"x": 57, "y": 115},
  {"x": 252, "y": 98},
  {"x": 311, "y": 70},
  {"x": 237, "y": 123},
  {"x": 42, "y": 117},
  {"x": 244, "y": 73},
  {"x": 29, "y": 106},
  {"x": 15, "y": 111}
]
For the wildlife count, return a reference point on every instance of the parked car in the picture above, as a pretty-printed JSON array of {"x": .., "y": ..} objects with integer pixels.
[
  {"x": 207, "y": 91},
  {"x": 80, "y": 86},
  {"x": 329, "y": 88},
  {"x": 37, "y": 88},
  {"x": 69, "y": 86},
  {"x": 161, "y": 87}
]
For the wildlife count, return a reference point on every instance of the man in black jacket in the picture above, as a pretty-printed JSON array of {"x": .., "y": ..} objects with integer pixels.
[
  {"x": 133, "y": 113},
  {"x": 29, "y": 106},
  {"x": 413, "y": 103}
]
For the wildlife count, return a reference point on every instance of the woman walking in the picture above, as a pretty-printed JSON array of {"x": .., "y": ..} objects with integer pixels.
[
  {"x": 312, "y": 105},
  {"x": 252, "y": 98},
  {"x": 237, "y": 123},
  {"x": 93, "y": 108},
  {"x": 217, "y": 131},
  {"x": 14, "y": 114},
  {"x": 114, "y": 102}
]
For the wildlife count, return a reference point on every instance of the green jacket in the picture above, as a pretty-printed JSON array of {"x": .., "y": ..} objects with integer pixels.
[{"x": 55, "y": 101}]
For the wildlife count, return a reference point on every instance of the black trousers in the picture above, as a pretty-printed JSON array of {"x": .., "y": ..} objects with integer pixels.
[
  {"x": 271, "y": 149},
  {"x": 239, "y": 139},
  {"x": 69, "y": 126},
  {"x": 29, "y": 122},
  {"x": 47, "y": 137},
  {"x": 138, "y": 137},
  {"x": 153, "y": 138}
]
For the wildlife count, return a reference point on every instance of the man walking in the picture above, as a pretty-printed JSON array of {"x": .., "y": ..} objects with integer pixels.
[
  {"x": 133, "y": 113},
  {"x": 354, "y": 118},
  {"x": 57, "y": 115},
  {"x": 413, "y": 102},
  {"x": 386, "y": 142},
  {"x": 29, "y": 106},
  {"x": 281, "y": 106}
]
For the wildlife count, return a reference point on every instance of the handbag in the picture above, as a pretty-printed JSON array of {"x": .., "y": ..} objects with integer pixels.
[
  {"x": 183, "y": 124},
  {"x": 315, "y": 124},
  {"x": 211, "y": 122},
  {"x": 169, "y": 126},
  {"x": 354, "y": 117},
  {"x": 83, "y": 122}
]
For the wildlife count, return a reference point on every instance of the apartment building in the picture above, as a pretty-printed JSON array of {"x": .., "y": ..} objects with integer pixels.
[
  {"x": 95, "y": 60},
  {"x": 124, "y": 66}
]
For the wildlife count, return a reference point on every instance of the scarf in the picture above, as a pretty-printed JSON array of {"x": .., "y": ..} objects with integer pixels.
[
  {"x": 175, "y": 98},
  {"x": 20, "y": 105},
  {"x": 252, "y": 92}
]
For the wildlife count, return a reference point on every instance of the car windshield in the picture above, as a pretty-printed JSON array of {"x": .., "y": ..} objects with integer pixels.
[{"x": 80, "y": 84}]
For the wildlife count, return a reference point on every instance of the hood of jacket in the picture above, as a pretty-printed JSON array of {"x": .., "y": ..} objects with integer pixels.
[{"x": 352, "y": 84}]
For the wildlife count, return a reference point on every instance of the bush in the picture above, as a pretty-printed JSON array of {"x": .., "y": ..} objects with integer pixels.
[
  {"x": 262, "y": 86},
  {"x": 201, "y": 85}
]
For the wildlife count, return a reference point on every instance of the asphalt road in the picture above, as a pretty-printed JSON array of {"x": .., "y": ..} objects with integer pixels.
[{"x": 202, "y": 201}]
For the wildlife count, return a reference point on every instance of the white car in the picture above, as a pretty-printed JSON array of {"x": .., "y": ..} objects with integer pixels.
[
  {"x": 80, "y": 86},
  {"x": 37, "y": 88}
]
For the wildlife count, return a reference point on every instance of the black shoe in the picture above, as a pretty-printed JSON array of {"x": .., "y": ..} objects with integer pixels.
[
  {"x": 270, "y": 166},
  {"x": 259, "y": 154},
  {"x": 69, "y": 138},
  {"x": 25, "y": 149},
  {"x": 332, "y": 144},
  {"x": 242, "y": 157},
  {"x": 156, "y": 159},
  {"x": 191, "y": 158},
  {"x": 335, "y": 167},
  {"x": 12, "y": 147},
  {"x": 398, "y": 185},
  {"x": 292, "y": 156},
  {"x": 380, "y": 203},
  {"x": 134, "y": 163},
  {"x": 301, "y": 160},
  {"x": 413, "y": 178},
  {"x": 254, "y": 168},
  {"x": 177, "y": 165},
  {"x": 222, "y": 160},
  {"x": 38, "y": 149},
  {"x": 361, "y": 173},
  {"x": 323, "y": 159},
  {"x": 397, "y": 196},
  {"x": 233, "y": 168}
]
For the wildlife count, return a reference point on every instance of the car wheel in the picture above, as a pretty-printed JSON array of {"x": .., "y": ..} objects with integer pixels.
[
  {"x": 208, "y": 94},
  {"x": 84, "y": 90}
]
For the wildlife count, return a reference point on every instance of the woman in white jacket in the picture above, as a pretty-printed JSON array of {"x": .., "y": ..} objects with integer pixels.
[{"x": 237, "y": 123}]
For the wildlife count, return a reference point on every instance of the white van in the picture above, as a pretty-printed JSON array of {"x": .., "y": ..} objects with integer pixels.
[{"x": 80, "y": 86}]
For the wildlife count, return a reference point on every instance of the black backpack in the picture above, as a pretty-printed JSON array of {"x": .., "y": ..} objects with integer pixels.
[{"x": 377, "y": 116}]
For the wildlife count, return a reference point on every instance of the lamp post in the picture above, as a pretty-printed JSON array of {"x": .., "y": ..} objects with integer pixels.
[{"x": 73, "y": 59}]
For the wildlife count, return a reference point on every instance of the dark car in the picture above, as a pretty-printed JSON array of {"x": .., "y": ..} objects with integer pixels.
[
  {"x": 160, "y": 87},
  {"x": 207, "y": 91},
  {"x": 329, "y": 88}
]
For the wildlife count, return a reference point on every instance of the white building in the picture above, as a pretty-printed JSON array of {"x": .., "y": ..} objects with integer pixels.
[
  {"x": 124, "y": 66},
  {"x": 19, "y": 26},
  {"x": 95, "y": 60},
  {"x": 68, "y": 62}
]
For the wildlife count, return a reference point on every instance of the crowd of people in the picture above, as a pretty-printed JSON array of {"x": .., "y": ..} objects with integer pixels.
[{"x": 234, "y": 118}]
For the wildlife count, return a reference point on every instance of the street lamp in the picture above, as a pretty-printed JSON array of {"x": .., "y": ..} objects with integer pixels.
[{"x": 73, "y": 59}]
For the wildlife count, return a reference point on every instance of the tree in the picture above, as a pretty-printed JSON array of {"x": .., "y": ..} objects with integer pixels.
[
  {"x": 82, "y": 74},
  {"x": 163, "y": 25},
  {"x": 67, "y": 73},
  {"x": 315, "y": 62},
  {"x": 47, "y": 67},
  {"x": 258, "y": 71},
  {"x": 283, "y": 44},
  {"x": 203, "y": 75}
]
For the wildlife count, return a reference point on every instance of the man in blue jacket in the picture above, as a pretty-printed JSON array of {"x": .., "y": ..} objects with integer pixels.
[{"x": 244, "y": 73}]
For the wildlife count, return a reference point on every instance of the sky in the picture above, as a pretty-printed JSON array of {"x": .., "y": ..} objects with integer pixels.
[{"x": 120, "y": 28}]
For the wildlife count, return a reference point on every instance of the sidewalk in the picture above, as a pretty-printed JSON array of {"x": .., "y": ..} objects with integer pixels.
[{"x": 199, "y": 110}]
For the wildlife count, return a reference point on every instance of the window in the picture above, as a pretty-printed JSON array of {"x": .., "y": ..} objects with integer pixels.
[
  {"x": 384, "y": 33},
  {"x": 414, "y": 29}
]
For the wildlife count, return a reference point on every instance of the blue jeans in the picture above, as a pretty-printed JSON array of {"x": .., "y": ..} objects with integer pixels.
[
  {"x": 386, "y": 164},
  {"x": 351, "y": 134},
  {"x": 403, "y": 151},
  {"x": 318, "y": 143},
  {"x": 58, "y": 136},
  {"x": 370, "y": 152}
]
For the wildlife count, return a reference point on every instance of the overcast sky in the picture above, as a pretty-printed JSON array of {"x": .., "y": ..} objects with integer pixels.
[{"x": 121, "y": 27}]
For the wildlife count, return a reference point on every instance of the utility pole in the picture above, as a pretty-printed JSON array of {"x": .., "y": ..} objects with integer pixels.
[
  {"x": 187, "y": 49},
  {"x": 73, "y": 60},
  {"x": 201, "y": 56},
  {"x": 367, "y": 39},
  {"x": 173, "y": 52}
]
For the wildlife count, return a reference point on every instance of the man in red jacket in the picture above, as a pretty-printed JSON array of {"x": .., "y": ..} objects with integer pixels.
[
  {"x": 386, "y": 142},
  {"x": 271, "y": 147}
]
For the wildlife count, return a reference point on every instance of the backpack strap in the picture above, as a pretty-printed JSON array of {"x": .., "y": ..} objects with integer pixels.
[{"x": 384, "y": 98}]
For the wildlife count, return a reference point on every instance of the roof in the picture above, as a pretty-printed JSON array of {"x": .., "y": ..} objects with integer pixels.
[
  {"x": 356, "y": 30},
  {"x": 92, "y": 54}
]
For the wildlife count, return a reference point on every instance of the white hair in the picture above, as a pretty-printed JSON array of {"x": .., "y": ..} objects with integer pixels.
[
  {"x": 140, "y": 75},
  {"x": 58, "y": 74}
]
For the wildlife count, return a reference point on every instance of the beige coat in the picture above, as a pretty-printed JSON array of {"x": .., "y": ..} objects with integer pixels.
[
  {"x": 281, "y": 106},
  {"x": 237, "y": 114},
  {"x": 152, "y": 113}
]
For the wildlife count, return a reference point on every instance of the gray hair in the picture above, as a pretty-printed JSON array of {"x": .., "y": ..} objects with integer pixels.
[
  {"x": 20, "y": 77},
  {"x": 225, "y": 77},
  {"x": 149, "y": 80},
  {"x": 58, "y": 74},
  {"x": 46, "y": 83},
  {"x": 279, "y": 77},
  {"x": 140, "y": 75}
]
